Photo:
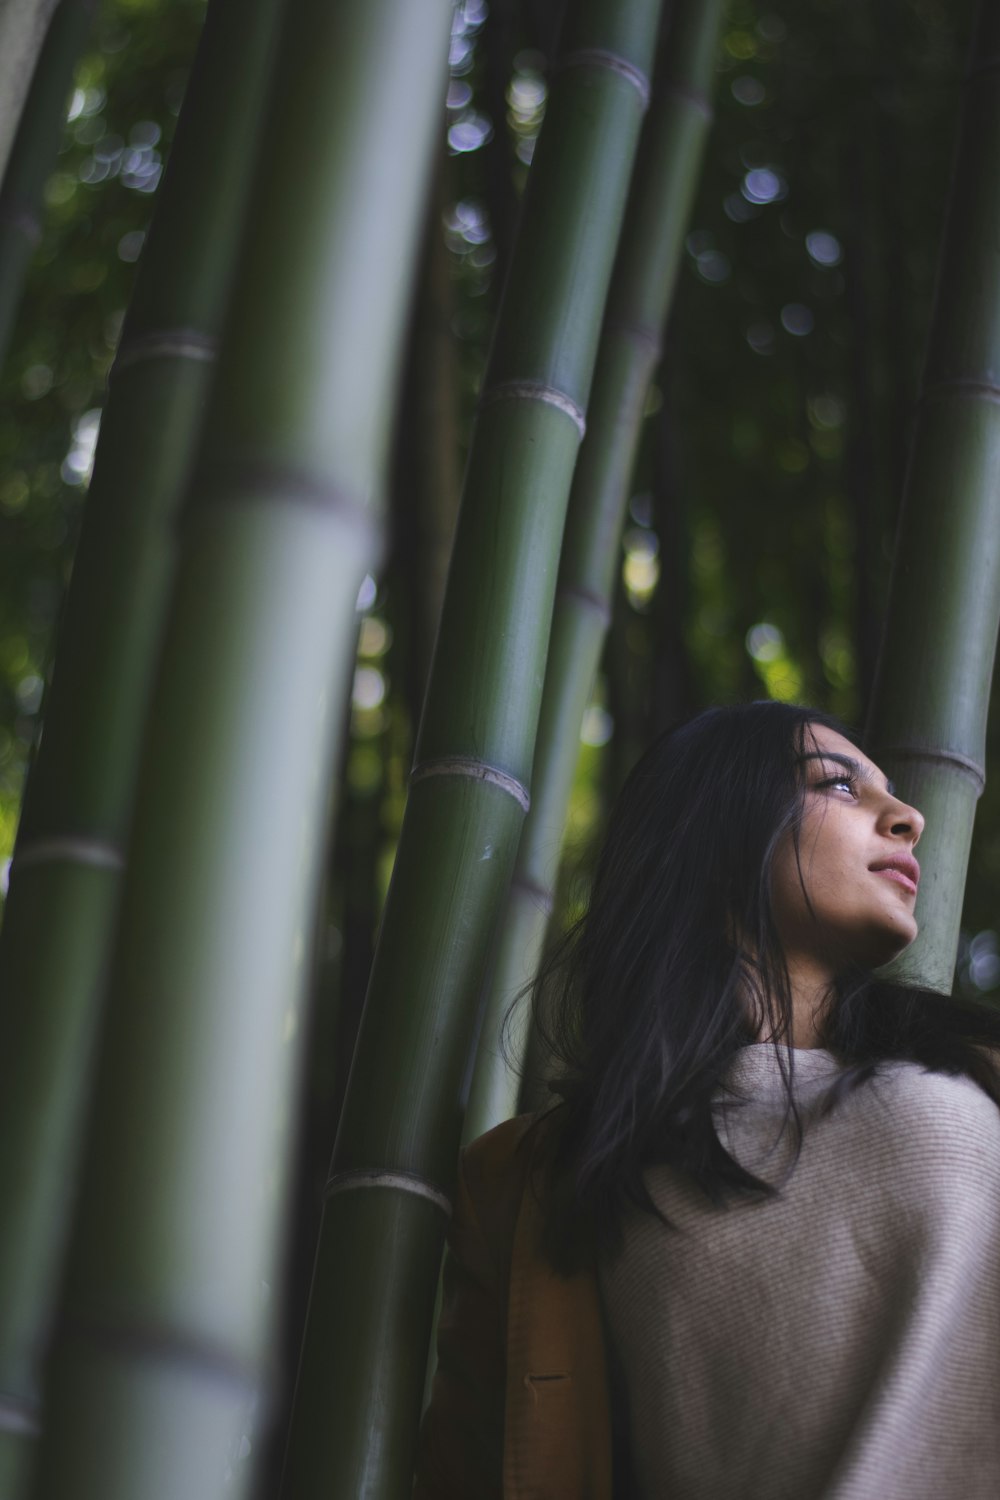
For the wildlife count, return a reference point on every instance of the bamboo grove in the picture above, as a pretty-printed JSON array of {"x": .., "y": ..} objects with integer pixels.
[{"x": 391, "y": 238}]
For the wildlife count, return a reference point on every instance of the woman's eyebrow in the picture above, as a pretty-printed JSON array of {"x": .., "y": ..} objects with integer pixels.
[{"x": 863, "y": 773}]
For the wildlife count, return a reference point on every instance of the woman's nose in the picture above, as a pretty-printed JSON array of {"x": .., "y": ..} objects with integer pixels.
[{"x": 906, "y": 820}]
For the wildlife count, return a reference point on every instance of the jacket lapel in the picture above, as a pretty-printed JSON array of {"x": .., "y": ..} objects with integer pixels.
[{"x": 557, "y": 1443}]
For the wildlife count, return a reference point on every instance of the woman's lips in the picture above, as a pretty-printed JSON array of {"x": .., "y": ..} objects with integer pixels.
[{"x": 897, "y": 875}]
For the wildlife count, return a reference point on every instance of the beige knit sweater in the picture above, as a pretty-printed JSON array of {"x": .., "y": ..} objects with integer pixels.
[{"x": 841, "y": 1342}]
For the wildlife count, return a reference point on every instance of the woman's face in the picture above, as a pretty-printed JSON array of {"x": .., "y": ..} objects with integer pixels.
[{"x": 856, "y": 863}]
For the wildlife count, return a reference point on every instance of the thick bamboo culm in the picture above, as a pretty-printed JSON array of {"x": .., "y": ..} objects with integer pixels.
[
  {"x": 23, "y": 26},
  {"x": 927, "y": 726},
  {"x": 361, "y": 1378},
  {"x": 33, "y": 152},
  {"x": 649, "y": 255},
  {"x": 66, "y": 875},
  {"x": 163, "y": 1333}
]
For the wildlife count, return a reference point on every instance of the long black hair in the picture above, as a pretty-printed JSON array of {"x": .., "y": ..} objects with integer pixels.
[{"x": 643, "y": 1005}]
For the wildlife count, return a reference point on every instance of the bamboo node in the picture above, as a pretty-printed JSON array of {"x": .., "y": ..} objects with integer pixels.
[
  {"x": 647, "y": 338},
  {"x": 478, "y": 770},
  {"x": 165, "y": 343},
  {"x": 224, "y": 479},
  {"x": 539, "y": 894},
  {"x": 699, "y": 101},
  {"x": 20, "y": 216},
  {"x": 591, "y": 601},
  {"x": 963, "y": 763},
  {"x": 73, "y": 851},
  {"x": 18, "y": 1416},
  {"x": 599, "y": 57},
  {"x": 940, "y": 390},
  {"x": 154, "y": 1343},
  {"x": 534, "y": 390},
  {"x": 407, "y": 1182}
]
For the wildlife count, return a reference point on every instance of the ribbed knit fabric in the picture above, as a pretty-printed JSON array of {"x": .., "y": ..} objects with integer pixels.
[{"x": 839, "y": 1342}]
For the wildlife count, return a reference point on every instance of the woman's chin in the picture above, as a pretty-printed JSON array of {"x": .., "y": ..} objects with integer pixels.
[
  {"x": 877, "y": 945},
  {"x": 890, "y": 942}
]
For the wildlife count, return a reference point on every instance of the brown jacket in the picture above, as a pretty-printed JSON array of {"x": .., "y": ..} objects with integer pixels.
[{"x": 521, "y": 1406}]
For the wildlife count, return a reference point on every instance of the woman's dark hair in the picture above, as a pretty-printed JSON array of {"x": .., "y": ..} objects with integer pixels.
[{"x": 643, "y": 1005}]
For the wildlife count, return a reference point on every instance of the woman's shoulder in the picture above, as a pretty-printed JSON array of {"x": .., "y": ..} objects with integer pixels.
[
  {"x": 502, "y": 1152},
  {"x": 494, "y": 1171},
  {"x": 924, "y": 1098}
]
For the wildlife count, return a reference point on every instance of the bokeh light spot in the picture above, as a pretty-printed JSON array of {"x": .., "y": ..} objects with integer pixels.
[
  {"x": 765, "y": 641},
  {"x": 824, "y": 248},
  {"x": 763, "y": 185},
  {"x": 797, "y": 319},
  {"x": 748, "y": 90}
]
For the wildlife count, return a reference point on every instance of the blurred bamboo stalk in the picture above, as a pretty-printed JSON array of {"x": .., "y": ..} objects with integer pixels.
[
  {"x": 649, "y": 255},
  {"x": 33, "y": 153},
  {"x": 428, "y": 481},
  {"x": 927, "y": 726},
  {"x": 67, "y": 869},
  {"x": 23, "y": 26},
  {"x": 163, "y": 1339},
  {"x": 360, "y": 1383}
]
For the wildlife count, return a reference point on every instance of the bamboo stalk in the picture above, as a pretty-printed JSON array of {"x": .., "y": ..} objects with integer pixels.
[
  {"x": 428, "y": 460},
  {"x": 33, "y": 152},
  {"x": 23, "y": 26},
  {"x": 927, "y": 724},
  {"x": 659, "y": 205},
  {"x": 66, "y": 875},
  {"x": 163, "y": 1336},
  {"x": 360, "y": 1382}
]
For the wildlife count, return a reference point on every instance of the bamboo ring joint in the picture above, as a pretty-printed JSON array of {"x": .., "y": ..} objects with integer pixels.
[
  {"x": 407, "y": 1182},
  {"x": 963, "y": 763},
  {"x": 478, "y": 770},
  {"x": 535, "y": 390},
  {"x": 19, "y": 1417},
  {"x": 166, "y": 343},
  {"x": 599, "y": 57},
  {"x": 72, "y": 851}
]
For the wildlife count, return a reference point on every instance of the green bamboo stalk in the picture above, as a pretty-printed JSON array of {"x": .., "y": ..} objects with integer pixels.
[
  {"x": 360, "y": 1382},
  {"x": 432, "y": 453},
  {"x": 23, "y": 25},
  {"x": 66, "y": 875},
  {"x": 163, "y": 1336},
  {"x": 33, "y": 152},
  {"x": 649, "y": 256},
  {"x": 927, "y": 724}
]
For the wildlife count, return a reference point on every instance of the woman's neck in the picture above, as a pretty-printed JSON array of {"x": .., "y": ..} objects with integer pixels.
[{"x": 811, "y": 986}]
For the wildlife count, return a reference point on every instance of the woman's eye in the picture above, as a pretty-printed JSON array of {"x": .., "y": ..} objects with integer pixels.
[{"x": 837, "y": 781}]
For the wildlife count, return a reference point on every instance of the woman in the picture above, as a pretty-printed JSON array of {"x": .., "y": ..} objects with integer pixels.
[{"x": 754, "y": 1251}]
